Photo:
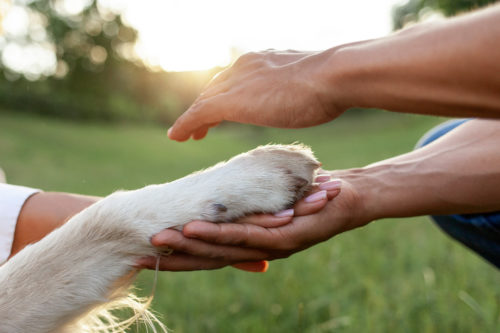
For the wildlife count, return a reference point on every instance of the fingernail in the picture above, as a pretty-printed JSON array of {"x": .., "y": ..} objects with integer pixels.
[
  {"x": 255, "y": 267},
  {"x": 169, "y": 131},
  {"x": 322, "y": 178},
  {"x": 285, "y": 213},
  {"x": 316, "y": 196},
  {"x": 265, "y": 266},
  {"x": 331, "y": 185}
]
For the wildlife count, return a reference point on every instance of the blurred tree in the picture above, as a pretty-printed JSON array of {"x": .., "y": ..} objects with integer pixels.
[
  {"x": 85, "y": 39},
  {"x": 91, "y": 70},
  {"x": 416, "y": 10}
]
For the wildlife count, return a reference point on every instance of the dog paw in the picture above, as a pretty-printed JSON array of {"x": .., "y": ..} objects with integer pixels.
[
  {"x": 267, "y": 179},
  {"x": 264, "y": 180}
]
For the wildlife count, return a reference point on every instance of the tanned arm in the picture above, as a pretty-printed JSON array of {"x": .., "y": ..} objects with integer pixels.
[
  {"x": 44, "y": 212},
  {"x": 443, "y": 68}
]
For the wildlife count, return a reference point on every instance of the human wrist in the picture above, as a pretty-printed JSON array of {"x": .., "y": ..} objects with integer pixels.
[
  {"x": 364, "y": 188},
  {"x": 438, "y": 68},
  {"x": 340, "y": 75},
  {"x": 388, "y": 190},
  {"x": 373, "y": 73},
  {"x": 356, "y": 72}
]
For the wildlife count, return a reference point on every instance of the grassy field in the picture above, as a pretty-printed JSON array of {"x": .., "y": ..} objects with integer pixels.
[{"x": 391, "y": 276}]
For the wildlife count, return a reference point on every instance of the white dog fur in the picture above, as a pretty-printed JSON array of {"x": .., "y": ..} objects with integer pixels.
[{"x": 60, "y": 283}]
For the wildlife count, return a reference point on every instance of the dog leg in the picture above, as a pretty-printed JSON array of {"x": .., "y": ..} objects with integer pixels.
[{"x": 50, "y": 284}]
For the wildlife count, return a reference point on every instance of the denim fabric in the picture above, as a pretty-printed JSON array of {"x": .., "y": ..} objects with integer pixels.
[{"x": 479, "y": 232}]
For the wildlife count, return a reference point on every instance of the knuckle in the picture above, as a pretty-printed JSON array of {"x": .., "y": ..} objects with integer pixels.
[
  {"x": 219, "y": 77},
  {"x": 218, "y": 239},
  {"x": 246, "y": 59},
  {"x": 197, "y": 107},
  {"x": 249, "y": 56},
  {"x": 240, "y": 239}
]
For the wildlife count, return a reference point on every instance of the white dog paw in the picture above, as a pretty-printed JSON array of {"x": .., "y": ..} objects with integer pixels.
[
  {"x": 264, "y": 180},
  {"x": 267, "y": 179}
]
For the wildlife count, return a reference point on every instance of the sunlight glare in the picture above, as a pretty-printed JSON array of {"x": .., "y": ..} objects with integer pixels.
[
  {"x": 182, "y": 38},
  {"x": 182, "y": 35}
]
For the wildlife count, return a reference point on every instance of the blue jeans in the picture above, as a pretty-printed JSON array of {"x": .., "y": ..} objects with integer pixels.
[{"x": 479, "y": 232}]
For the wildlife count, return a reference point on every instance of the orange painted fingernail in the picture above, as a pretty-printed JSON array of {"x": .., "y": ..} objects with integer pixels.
[
  {"x": 265, "y": 266},
  {"x": 255, "y": 267}
]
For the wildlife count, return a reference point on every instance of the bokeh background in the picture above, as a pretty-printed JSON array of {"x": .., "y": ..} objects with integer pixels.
[{"x": 88, "y": 88}]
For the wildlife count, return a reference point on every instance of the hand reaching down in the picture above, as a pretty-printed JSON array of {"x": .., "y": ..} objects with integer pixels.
[{"x": 271, "y": 88}]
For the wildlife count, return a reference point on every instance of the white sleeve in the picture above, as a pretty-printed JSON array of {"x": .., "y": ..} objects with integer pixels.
[{"x": 12, "y": 198}]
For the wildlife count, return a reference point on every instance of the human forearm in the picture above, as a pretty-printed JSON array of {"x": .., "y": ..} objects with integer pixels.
[
  {"x": 460, "y": 173},
  {"x": 44, "y": 212},
  {"x": 447, "y": 68},
  {"x": 444, "y": 68}
]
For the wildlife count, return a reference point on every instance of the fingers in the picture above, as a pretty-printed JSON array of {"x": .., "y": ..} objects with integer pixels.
[
  {"x": 181, "y": 262},
  {"x": 318, "y": 198},
  {"x": 264, "y": 230},
  {"x": 202, "y": 132},
  {"x": 279, "y": 219},
  {"x": 269, "y": 220},
  {"x": 177, "y": 262},
  {"x": 326, "y": 183},
  {"x": 198, "y": 119},
  {"x": 176, "y": 241},
  {"x": 201, "y": 115},
  {"x": 322, "y": 178},
  {"x": 311, "y": 204},
  {"x": 332, "y": 188},
  {"x": 244, "y": 236},
  {"x": 215, "y": 103},
  {"x": 300, "y": 233},
  {"x": 190, "y": 254},
  {"x": 303, "y": 207}
]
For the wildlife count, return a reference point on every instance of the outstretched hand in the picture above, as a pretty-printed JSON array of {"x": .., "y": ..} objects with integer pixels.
[
  {"x": 271, "y": 88},
  {"x": 253, "y": 239}
]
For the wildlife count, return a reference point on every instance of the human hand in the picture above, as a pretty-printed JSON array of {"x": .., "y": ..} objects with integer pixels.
[
  {"x": 284, "y": 89},
  {"x": 204, "y": 245}
]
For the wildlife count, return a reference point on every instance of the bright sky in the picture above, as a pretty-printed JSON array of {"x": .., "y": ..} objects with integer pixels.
[
  {"x": 182, "y": 35},
  {"x": 199, "y": 34}
]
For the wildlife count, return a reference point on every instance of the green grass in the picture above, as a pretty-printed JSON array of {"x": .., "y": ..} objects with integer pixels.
[{"x": 400, "y": 275}]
